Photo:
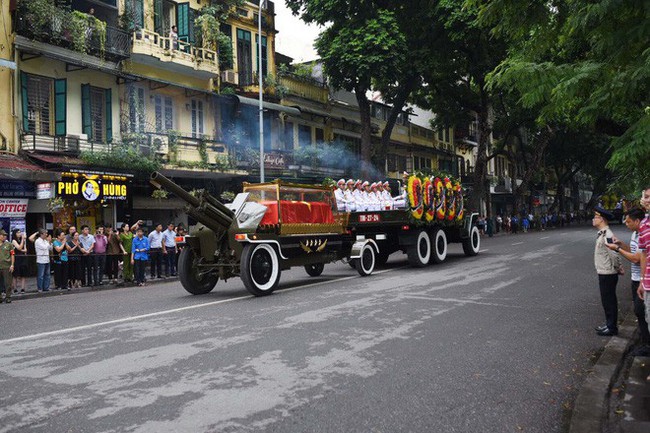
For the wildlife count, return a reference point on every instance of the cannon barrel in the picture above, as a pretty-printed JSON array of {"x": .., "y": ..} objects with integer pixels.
[{"x": 204, "y": 208}]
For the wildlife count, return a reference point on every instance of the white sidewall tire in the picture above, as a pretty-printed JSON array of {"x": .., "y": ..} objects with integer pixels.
[
  {"x": 440, "y": 246},
  {"x": 472, "y": 245},
  {"x": 367, "y": 252},
  {"x": 415, "y": 256},
  {"x": 247, "y": 271}
]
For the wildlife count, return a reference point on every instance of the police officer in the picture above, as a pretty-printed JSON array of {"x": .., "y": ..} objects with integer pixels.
[{"x": 7, "y": 259}]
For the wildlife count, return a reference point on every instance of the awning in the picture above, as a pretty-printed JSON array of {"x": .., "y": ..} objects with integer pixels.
[
  {"x": 313, "y": 111},
  {"x": 267, "y": 105},
  {"x": 15, "y": 167}
]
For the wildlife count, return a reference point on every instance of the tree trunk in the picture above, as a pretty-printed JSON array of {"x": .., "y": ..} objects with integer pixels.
[
  {"x": 403, "y": 94},
  {"x": 366, "y": 133},
  {"x": 481, "y": 188}
]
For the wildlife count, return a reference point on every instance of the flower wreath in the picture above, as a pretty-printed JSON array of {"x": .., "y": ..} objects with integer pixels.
[
  {"x": 415, "y": 196},
  {"x": 440, "y": 202}
]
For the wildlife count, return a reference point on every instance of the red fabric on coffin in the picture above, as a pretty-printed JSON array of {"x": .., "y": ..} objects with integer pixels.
[{"x": 297, "y": 212}]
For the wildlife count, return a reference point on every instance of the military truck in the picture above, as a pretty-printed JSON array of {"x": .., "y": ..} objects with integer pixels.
[{"x": 270, "y": 227}]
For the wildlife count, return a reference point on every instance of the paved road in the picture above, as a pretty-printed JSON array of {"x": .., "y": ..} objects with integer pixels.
[{"x": 495, "y": 343}]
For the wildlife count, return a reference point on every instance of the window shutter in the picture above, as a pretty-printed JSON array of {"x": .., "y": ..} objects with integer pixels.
[
  {"x": 158, "y": 17},
  {"x": 25, "y": 103},
  {"x": 183, "y": 21},
  {"x": 138, "y": 14},
  {"x": 86, "y": 121},
  {"x": 109, "y": 115},
  {"x": 60, "y": 107}
]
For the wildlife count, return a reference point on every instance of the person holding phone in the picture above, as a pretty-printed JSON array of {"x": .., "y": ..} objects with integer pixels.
[{"x": 608, "y": 267}]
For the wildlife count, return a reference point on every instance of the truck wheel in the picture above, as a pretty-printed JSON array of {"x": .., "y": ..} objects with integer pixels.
[
  {"x": 420, "y": 253},
  {"x": 381, "y": 259},
  {"x": 472, "y": 244},
  {"x": 195, "y": 282},
  {"x": 315, "y": 269},
  {"x": 439, "y": 246},
  {"x": 260, "y": 269},
  {"x": 366, "y": 263}
]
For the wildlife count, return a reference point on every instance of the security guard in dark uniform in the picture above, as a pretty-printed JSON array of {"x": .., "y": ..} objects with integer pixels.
[{"x": 6, "y": 265}]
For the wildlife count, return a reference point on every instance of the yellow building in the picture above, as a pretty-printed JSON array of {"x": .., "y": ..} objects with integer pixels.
[{"x": 8, "y": 134}]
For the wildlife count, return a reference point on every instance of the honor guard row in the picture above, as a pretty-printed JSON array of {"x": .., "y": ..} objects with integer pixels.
[{"x": 363, "y": 196}]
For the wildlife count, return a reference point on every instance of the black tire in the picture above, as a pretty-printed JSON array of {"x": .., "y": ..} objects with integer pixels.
[
  {"x": 472, "y": 245},
  {"x": 192, "y": 281},
  {"x": 366, "y": 263},
  {"x": 440, "y": 246},
  {"x": 420, "y": 253},
  {"x": 260, "y": 269},
  {"x": 315, "y": 269},
  {"x": 381, "y": 259},
  {"x": 352, "y": 263}
]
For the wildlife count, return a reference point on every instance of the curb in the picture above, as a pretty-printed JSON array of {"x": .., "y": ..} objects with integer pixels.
[
  {"x": 35, "y": 295},
  {"x": 591, "y": 406}
]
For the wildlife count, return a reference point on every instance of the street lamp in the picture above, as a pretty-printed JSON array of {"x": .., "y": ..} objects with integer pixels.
[{"x": 259, "y": 73}]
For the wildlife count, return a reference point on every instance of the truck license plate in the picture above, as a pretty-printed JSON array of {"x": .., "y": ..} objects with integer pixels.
[{"x": 370, "y": 218}]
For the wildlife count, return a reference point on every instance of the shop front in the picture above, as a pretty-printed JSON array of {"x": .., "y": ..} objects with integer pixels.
[
  {"x": 91, "y": 198},
  {"x": 14, "y": 201}
]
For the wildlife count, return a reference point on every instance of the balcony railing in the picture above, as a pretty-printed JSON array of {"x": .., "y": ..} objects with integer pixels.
[
  {"x": 68, "y": 145},
  {"x": 305, "y": 88},
  {"x": 70, "y": 29},
  {"x": 164, "y": 46}
]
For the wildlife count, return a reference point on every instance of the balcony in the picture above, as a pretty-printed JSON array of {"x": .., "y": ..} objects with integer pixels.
[
  {"x": 305, "y": 88},
  {"x": 70, "y": 145},
  {"x": 152, "y": 49},
  {"x": 69, "y": 34}
]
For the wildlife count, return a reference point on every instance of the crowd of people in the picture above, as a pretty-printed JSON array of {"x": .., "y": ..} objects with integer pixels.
[
  {"x": 363, "y": 196},
  {"x": 81, "y": 259},
  {"x": 609, "y": 254},
  {"x": 523, "y": 222}
]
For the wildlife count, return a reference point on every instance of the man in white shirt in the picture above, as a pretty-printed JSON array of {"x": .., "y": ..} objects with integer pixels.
[
  {"x": 156, "y": 251},
  {"x": 87, "y": 242},
  {"x": 358, "y": 197},
  {"x": 387, "y": 198},
  {"x": 169, "y": 250},
  {"x": 43, "y": 246}
]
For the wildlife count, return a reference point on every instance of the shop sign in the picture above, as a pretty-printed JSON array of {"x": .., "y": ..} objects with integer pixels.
[
  {"x": 17, "y": 188},
  {"x": 44, "y": 191},
  {"x": 13, "y": 207},
  {"x": 92, "y": 188},
  {"x": 274, "y": 160}
]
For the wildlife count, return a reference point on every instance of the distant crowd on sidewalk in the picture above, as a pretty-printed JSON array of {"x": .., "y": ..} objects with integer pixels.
[
  {"x": 81, "y": 259},
  {"x": 523, "y": 222}
]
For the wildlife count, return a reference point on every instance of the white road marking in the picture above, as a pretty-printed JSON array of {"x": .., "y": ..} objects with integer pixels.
[
  {"x": 176, "y": 310},
  {"x": 517, "y": 243},
  {"x": 482, "y": 251},
  {"x": 545, "y": 237}
]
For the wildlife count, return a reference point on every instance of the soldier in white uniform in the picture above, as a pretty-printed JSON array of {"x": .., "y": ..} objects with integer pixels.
[
  {"x": 388, "y": 199},
  {"x": 371, "y": 197},
  {"x": 400, "y": 201},
  {"x": 339, "y": 194},
  {"x": 358, "y": 197},
  {"x": 349, "y": 196}
]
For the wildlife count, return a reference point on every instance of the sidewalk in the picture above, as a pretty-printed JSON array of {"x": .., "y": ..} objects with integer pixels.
[
  {"x": 31, "y": 291},
  {"x": 615, "y": 396}
]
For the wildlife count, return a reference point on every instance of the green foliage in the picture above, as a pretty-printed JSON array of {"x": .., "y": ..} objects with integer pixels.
[
  {"x": 272, "y": 83},
  {"x": 203, "y": 149},
  {"x": 210, "y": 35},
  {"x": 123, "y": 156},
  {"x": 227, "y": 196},
  {"x": 223, "y": 162},
  {"x": 159, "y": 194},
  {"x": 172, "y": 142}
]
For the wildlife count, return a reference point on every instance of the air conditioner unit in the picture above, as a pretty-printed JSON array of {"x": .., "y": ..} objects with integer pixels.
[{"x": 229, "y": 77}]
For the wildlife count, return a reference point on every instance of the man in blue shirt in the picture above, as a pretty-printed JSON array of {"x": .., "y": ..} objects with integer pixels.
[{"x": 139, "y": 256}]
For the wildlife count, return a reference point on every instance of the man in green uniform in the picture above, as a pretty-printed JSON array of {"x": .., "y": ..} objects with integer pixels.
[{"x": 6, "y": 265}]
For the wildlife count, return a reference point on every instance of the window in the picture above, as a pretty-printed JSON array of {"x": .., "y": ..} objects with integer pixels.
[
  {"x": 40, "y": 104},
  {"x": 197, "y": 118},
  {"x": 136, "y": 109},
  {"x": 96, "y": 113},
  {"x": 320, "y": 135},
  {"x": 353, "y": 144},
  {"x": 226, "y": 29},
  {"x": 440, "y": 135},
  {"x": 265, "y": 55},
  {"x": 421, "y": 163},
  {"x": 288, "y": 136},
  {"x": 447, "y": 135},
  {"x": 164, "y": 106},
  {"x": 396, "y": 163},
  {"x": 244, "y": 57},
  {"x": 242, "y": 12},
  {"x": 304, "y": 135}
]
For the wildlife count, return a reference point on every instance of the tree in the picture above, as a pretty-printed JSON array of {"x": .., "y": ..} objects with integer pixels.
[
  {"x": 364, "y": 46},
  {"x": 588, "y": 64},
  {"x": 456, "y": 86},
  {"x": 209, "y": 21}
]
